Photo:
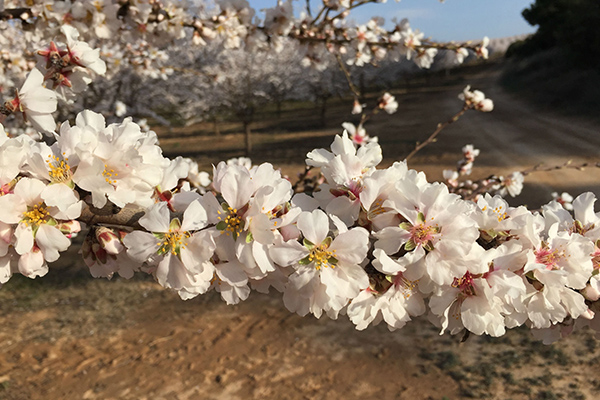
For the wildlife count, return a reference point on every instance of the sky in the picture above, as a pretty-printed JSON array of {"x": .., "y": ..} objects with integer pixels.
[{"x": 457, "y": 20}]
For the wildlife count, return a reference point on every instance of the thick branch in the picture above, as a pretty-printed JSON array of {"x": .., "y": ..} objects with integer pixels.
[{"x": 112, "y": 216}]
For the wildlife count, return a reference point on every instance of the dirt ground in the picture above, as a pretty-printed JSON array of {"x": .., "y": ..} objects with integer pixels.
[{"x": 68, "y": 336}]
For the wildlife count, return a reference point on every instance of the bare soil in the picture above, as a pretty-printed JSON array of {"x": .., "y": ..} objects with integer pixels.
[{"x": 68, "y": 336}]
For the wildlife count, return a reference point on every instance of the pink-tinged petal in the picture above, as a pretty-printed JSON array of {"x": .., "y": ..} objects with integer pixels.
[
  {"x": 5, "y": 269},
  {"x": 295, "y": 303},
  {"x": 336, "y": 284},
  {"x": 232, "y": 273},
  {"x": 32, "y": 264},
  {"x": 157, "y": 218},
  {"x": 212, "y": 207},
  {"x": 171, "y": 272},
  {"x": 141, "y": 245},
  {"x": 59, "y": 195},
  {"x": 190, "y": 261},
  {"x": 347, "y": 210},
  {"x": 194, "y": 217},
  {"x": 303, "y": 281},
  {"x": 383, "y": 263},
  {"x": 583, "y": 206},
  {"x": 574, "y": 303},
  {"x": 304, "y": 202},
  {"x": 50, "y": 240},
  {"x": 40, "y": 103},
  {"x": 182, "y": 200},
  {"x": 12, "y": 208},
  {"x": 236, "y": 187},
  {"x": 233, "y": 295},
  {"x": 261, "y": 256},
  {"x": 260, "y": 226},
  {"x": 288, "y": 253},
  {"x": 199, "y": 248},
  {"x": 30, "y": 190},
  {"x": 89, "y": 119},
  {"x": 42, "y": 122},
  {"x": 23, "y": 239},
  {"x": 5, "y": 238},
  {"x": 351, "y": 247},
  {"x": 34, "y": 80},
  {"x": 314, "y": 226},
  {"x": 391, "y": 238}
]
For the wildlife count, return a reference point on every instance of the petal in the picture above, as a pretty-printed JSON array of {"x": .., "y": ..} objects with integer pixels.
[
  {"x": 156, "y": 218},
  {"x": 314, "y": 226},
  {"x": 141, "y": 245},
  {"x": 195, "y": 217},
  {"x": 50, "y": 240}
]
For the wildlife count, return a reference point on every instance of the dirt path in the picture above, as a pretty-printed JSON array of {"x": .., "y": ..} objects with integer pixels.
[{"x": 68, "y": 336}]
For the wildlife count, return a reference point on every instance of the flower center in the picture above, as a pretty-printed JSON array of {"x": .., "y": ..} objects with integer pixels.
[
  {"x": 549, "y": 257},
  {"x": 465, "y": 284},
  {"x": 230, "y": 222},
  {"x": 423, "y": 235},
  {"x": 501, "y": 215},
  {"x": 7, "y": 188},
  {"x": 172, "y": 242},
  {"x": 377, "y": 208},
  {"x": 36, "y": 215},
  {"x": 322, "y": 257},
  {"x": 109, "y": 175},
  {"x": 60, "y": 171},
  {"x": 407, "y": 287}
]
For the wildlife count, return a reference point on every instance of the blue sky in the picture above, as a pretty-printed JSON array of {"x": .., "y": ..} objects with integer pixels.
[{"x": 451, "y": 20}]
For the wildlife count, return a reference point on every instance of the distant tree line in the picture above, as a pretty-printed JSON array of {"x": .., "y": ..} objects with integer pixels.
[{"x": 573, "y": 25}]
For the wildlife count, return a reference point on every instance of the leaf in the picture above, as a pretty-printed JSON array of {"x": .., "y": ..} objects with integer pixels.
[
  {"x": 405, "y": 225},
  {"x": 221, "y": 225},
  {"x": 308, "y": 244},
  {"x": 410, "y": 245},
  {"x": 305, "y": 261},
  {"x": 175, "y": 224}
]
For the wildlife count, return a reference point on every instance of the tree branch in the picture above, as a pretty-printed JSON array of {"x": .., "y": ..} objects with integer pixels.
[{"x": 440, "y": 127}]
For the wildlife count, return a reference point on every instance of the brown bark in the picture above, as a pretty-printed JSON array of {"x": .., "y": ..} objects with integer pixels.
[{"x": 247, "y": 138}]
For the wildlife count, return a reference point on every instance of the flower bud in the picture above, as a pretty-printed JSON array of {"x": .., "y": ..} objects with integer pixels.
[
  {"x": 69, "y": 228},
  {"x": 589, "y": 314},
  {"x": 591, "y": 293},
  {"x": 109, "y": 240},
  {"x": 357, "y": 107}
]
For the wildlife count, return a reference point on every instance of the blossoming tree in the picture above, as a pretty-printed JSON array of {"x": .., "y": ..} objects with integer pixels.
[{"x": 379, "y": 245}]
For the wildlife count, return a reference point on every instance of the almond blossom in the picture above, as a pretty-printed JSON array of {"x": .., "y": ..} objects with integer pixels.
[
  {"x": 175, "y": 251},
  {"x": 327, "y": 268},
  {"x": 37, "y": 237}
]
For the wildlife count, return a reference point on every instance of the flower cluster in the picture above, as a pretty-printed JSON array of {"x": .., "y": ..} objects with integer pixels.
[{"x": 377, "y": 245}]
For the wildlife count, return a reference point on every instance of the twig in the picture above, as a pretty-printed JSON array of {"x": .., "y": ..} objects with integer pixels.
[
  {"x": 347, "y": 75},
  {"x": 302, "y": 177},
  {"x": 566, "y": 165},
  {"x": 440, "y": 127}
]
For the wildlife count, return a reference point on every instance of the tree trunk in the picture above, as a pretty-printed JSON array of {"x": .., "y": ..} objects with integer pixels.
[
  {"x": 362, "y": 86},
  {"x": 323, "y": 110},
  {"x": 248, "y": 139},
  {"x": 216, "y": 128}
]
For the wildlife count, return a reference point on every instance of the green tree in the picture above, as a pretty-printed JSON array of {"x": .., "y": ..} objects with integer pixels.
[{"x": 570, "y": 24}]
